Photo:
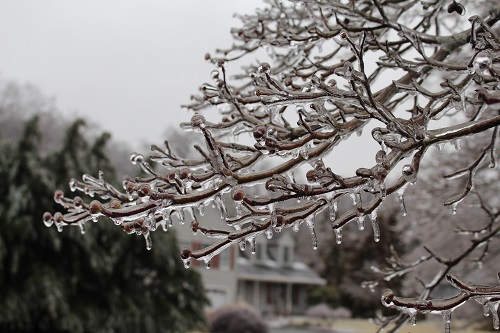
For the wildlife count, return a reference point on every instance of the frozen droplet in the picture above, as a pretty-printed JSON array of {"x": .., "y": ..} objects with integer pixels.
[
  {"x": 269, "y": 233},
  {"x": 214, "y": 74},
  {"x": 187, "y": 262},
  {"x": 376, "y": 229},
  {"x": 361, "y": 222},
  {"x": 338, "y": 235},
  {"x": 409, "y": 173},
  {"x": 207, "y": 263},
  {"x": 72, "y": 185},
  {"x": 149, "y": 242}
]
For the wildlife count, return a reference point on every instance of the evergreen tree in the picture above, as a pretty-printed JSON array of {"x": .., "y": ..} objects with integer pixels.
[{"x": 63, "y": 282}]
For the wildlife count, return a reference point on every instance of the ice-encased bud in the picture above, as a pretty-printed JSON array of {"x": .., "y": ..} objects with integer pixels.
[
  {"x": 259, "y": 133},
  {"x": 482, "y": 63},
  {"x": 194, "y": 226},
  {"x": 316, "y": 81},
  {"x": 198, "y": 121},
  {"x": 238, "y": 194},
  {"x": 264, "y": 68},
  {"x": 364, "y": 172},
  {"x": 48, "y": 219},
  {"x": 214, "y": 74},
  {"x": 380, "y": 156},
  {"x": 136, "y": 158}
]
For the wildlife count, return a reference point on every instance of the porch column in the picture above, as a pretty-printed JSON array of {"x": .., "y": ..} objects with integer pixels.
[
  {"x": 288, "y": 304},
  {"x": 256, "y": 294}
]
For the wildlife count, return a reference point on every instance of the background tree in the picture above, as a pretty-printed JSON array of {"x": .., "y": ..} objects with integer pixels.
[
  {"x": 66, "y": 282},
  {"x": 416, "y": 74}
]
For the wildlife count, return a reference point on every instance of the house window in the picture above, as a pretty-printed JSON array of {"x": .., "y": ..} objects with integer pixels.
[
  {"x": 269, "y": 293},
  {"x": 224, "y": 259},
  {"x": 286, "y": 254},
  {"x": 295, "y": 294},
  {"x": 258, "y": 251}
]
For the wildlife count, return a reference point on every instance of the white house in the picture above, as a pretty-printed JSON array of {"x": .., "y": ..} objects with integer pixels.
[{"x": 272, "y": 280}]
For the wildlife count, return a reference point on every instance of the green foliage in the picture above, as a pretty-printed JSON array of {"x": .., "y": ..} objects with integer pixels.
[
  {"x": 68, "y": 282},
  {"x": 328, "y": 294}
]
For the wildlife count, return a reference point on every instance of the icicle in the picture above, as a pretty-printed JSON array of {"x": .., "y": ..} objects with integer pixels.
[
  {"x": 239, "y": 208},
  {"x": 149, "y": 242},
  {"x": 296, "y": 226},
  {"x": 400, "y": 194},
  {"x": 81, "y": 224},
  {"x": 383, "y": 190},
  {"x": 361, "y": 222},
  {"x": 187, "y": 263},
  {"x": 181, "y": 216},
  {"x": 376, "y": 229},
  {"x": 412, "y": 313},
  {"x": 338, "y": 235},
  {"x": 253, "y": 244},
  {"x": 447, "y": 321},
  {"x": 167, "y": 222},
  {"x": 457, "y": 143},
  {"x": 333, "y": 210},
  {"x": 221, "y": 206},
  {"x": 453, "y": 208},
  {"x": 272, "y": 214},
  {"x": 243, "y": 245},
  {"x": 494, "y": 314},
  {"x": 310, "y": 224}
]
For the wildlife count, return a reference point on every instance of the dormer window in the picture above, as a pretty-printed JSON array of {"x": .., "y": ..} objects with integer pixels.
[
  {"x": 286, "y": 254},
  {"x": 258, "y": 251}
]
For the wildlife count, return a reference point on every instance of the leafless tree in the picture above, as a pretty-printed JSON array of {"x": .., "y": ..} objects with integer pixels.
[{"x": 417, "y": 73}]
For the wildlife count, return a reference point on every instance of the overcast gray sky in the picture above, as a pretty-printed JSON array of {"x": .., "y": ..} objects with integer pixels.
[{"x": 126, "y": 64}]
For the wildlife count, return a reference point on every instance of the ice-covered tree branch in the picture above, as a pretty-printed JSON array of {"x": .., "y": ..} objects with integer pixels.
[{"x": 417, "y": 73}]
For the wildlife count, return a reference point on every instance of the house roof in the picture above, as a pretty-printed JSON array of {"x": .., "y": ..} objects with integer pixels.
[{"x": 271, "y": 271}]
